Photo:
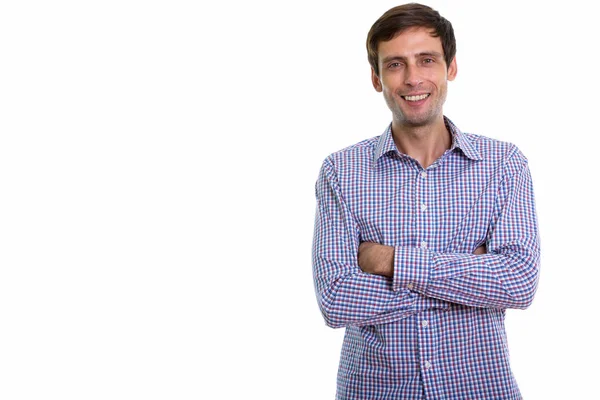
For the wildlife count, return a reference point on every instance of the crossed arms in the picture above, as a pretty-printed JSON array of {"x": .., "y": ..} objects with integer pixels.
[
  {"x": 362, "y": 283},
  {"x": 378, "y": 259}
]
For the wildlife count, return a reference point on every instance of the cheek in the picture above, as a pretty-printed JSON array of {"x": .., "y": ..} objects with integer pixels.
[
  {"x": 438, "y": 77},
  {"x": 392, "y": 94},
  {"x": 392, "y": 81}
]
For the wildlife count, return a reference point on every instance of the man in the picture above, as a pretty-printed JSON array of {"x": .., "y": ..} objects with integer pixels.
[{"x": 424, "y": 235}]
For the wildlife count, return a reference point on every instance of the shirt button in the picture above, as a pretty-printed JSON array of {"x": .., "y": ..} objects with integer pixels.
[
  {"x": 410, "y": 286},
  {"x": 427, "y": 365},
  {"x": 424, "y": 174},
  {"x": 423, "y": 206},
  {"x": 423, "y": 244},
  {"x": 424, "y": 323}
]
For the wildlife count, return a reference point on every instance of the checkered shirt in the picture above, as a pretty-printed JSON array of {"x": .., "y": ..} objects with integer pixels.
[{"x": 436, "y": 330}]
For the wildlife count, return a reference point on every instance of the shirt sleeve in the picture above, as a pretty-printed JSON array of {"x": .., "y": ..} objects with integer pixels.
[
  {"x": 347, "y": 295},
  {"x": 506, "y": 276}
]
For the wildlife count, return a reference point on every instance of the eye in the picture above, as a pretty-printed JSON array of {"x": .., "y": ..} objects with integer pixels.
[
  {"x": 428, "y": 60},
  {"x": 394, "y": 65}
]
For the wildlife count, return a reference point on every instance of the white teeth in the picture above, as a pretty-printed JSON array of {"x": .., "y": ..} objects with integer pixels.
[{"x": 416, "y": 98}]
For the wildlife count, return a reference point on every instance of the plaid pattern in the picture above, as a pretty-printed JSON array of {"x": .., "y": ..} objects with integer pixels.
[{"x": 436, "y": 330}]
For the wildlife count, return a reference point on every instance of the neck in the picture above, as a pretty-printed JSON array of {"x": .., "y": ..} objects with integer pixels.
[{"x": 424, "y": 143}]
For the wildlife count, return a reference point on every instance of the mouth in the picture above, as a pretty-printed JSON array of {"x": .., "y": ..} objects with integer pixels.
[{"x": 417, "y": 97}]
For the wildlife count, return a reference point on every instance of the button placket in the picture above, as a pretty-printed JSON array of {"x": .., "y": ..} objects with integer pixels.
[
  {"x": 423, "y": 241},
  {"x": 422, "y": 207}
]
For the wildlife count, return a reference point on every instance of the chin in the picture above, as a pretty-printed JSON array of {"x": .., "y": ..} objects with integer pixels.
[{"x": 415, "y": 121}]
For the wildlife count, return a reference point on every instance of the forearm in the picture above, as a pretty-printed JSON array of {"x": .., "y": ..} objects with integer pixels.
[
  {"x": 349, "y": 296},
  {"x": 362, "y": 299},
  {"x": 503, "y": 278},
  {"x": 358, "y": 298}
]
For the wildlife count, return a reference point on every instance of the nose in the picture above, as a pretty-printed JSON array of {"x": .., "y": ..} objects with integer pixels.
[{"x": 412, "y": 77}]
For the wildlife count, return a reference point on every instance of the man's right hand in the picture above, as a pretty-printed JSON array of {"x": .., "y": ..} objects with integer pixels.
[{"x": 480, "y": 250}]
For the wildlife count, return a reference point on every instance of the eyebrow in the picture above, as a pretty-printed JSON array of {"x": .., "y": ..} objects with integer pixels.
[{"x": 422, "y": 54}]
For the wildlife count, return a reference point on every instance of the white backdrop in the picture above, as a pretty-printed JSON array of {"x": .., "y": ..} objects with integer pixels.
[{"x": 157, "y": 170}]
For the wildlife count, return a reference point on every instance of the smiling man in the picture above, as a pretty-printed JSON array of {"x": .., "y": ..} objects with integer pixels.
[{"x": 424, "y": 235}]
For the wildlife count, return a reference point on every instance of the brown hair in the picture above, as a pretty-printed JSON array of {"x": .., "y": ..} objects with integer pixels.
[{"x": 398, "y": 19}]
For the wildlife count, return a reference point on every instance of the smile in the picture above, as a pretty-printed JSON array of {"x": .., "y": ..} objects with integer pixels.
[{"x": 416, "y": 98}]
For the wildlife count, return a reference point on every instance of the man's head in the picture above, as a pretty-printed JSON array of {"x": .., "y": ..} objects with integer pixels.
[
  {"x": 411, "y": 51},
  {"x": 413, "y": 15}
]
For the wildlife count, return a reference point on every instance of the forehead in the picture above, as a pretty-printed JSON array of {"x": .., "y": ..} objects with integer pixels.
[{"x": 410, "y": 42}]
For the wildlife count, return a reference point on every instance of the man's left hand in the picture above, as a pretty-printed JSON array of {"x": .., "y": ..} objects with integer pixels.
[{"x": 375, "y": 258}]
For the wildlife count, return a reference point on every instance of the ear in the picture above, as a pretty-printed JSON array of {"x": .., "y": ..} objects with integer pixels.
[
  {"x": 376, "y": 81},
  {"x": 452, "y": 69}
]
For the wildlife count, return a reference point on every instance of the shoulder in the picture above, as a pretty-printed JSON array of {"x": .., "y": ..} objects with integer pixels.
[
  {"x": 360, "y": 153},
  {"x": 494, "y": 150}
]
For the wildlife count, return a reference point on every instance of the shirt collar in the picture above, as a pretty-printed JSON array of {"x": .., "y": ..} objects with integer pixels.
[{"x": 459, "y": 141}]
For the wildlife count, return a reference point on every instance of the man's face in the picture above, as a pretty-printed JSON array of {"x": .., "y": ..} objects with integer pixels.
[{"x": 413, "y": 77}]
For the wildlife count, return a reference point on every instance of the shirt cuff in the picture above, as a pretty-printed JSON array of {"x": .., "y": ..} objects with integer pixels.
[{"x": 412, "y": 267}]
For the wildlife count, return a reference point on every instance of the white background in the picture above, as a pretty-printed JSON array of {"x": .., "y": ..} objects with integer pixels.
[{"x": 157, "y": 170}]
